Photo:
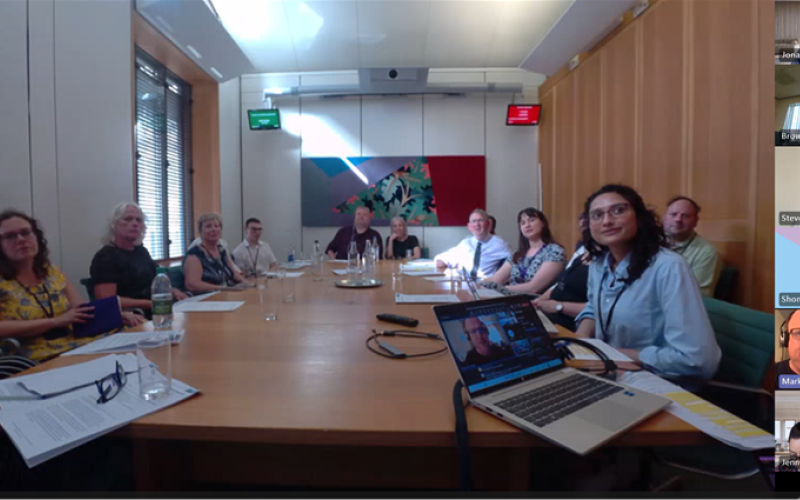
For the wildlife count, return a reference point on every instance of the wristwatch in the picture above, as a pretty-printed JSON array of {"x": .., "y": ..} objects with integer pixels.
[{"x": 559, "y": 307}]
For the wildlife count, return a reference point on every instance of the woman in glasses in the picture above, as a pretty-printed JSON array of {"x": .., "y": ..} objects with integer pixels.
[
  {"x": 537, "y": 261},
  {"x": 642, "y": 298},
  {"x": 123, "y": 266},
  {"x": 38, "y": 304}
]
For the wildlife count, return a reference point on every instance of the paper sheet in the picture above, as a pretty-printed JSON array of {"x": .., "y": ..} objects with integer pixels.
[
  {"x": 698, "y": 412},
  {"x": 338, "y": 261},
  {"x": 340, "y": 272},
  {"x": 123, "y": 342},
  {"x": 548, "y": 325},
  {"x": 207, "y": 306},
  {"x": 298, "y": 264},
  {"x": 583, "y": 353},
  {"x": 64, "y": 379},
  {"x": 274, "y": 274},
  {"x": 432, "y": 272},
  {"x": 44, "y": 429},
  {"x": 442, "y": 278},
  {"x": 488, "y": 293},
  {"x": 196, "y": 298},
  {"x": 405, "y": 298}
]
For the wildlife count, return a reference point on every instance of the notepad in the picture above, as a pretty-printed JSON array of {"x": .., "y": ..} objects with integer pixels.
[
  {"x": 124, "y": 342},
  {"x": 207, "y": 306},
  {"x": 406, "y": 298}
]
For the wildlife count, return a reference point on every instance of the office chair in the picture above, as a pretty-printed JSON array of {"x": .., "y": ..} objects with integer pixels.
[{"x": 726, "y": 284}]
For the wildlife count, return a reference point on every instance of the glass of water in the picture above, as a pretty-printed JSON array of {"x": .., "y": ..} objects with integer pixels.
[
  {"x": 287, "y": 287},
  {"x": 154, "y": 364},
  {"x": 268, "y": 303},
  {"x": 318, "y": 267}
]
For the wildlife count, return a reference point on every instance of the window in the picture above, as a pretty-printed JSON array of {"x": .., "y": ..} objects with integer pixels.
[
  {"x": 792, "y": 121},
  {"x": 163, "y": 187}
]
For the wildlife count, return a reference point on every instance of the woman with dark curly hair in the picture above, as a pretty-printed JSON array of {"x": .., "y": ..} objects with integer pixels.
[
  {"x": 538, "y": 260},
  {"x": 643, "y": 298},
  {"x": 38, "y": 304}
]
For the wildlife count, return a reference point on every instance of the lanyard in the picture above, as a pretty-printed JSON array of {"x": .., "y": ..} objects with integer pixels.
[
  {"x": 522, "y": 270},
  {"x": 50, "y": 313},
  {"x": 255, "y": 261},
  {"x": 604, "y": 327}
]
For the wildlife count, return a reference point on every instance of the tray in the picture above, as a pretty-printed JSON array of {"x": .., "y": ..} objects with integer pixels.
[{"x": 358, "y": 284}]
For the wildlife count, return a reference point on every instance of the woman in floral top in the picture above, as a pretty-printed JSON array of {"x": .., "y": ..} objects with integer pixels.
[
  {"x": 38, "y": 305},
  {"x": 538, "y": 259}
]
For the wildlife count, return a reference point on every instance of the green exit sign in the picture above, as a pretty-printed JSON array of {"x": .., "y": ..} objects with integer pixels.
[{"x": 264, "y": 119}]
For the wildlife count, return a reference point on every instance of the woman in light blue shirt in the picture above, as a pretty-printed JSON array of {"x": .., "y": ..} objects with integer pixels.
[{"x": 643, "y": 298}]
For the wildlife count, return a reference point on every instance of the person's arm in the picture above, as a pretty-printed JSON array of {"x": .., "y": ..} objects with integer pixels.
[
  {"x": 237, "y": 275},
  {"x": 585, "y": 320},
  {"x": 690, "y": 347},
  {"x": 331, "y": 255},
  {"x": 32, "y": 328},
  {"x": 417, "y": 252},
  {"x": 105, "y": 290},
  {"x": 332, "y": 250},
  {"x": 449, "y": 257},
  {"x": 586, "y": 329},
  {"x": 193, "y": 276},
  {"x": 178, "y": 295},
  {"x": 571, "y": 309},
  {"x": 502, "y": 275},
  {"x": 545, "y": 275}
]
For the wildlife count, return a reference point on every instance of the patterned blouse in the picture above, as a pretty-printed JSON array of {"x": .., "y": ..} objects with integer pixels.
[
  {"x": 525, "y": 269},
  {"x": 18, "y": 303}
]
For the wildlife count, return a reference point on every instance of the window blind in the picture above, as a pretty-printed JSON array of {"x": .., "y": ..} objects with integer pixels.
[{"x": 161, "y": 134}]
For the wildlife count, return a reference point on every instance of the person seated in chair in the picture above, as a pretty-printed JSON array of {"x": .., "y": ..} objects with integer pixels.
[
  {"x": 642, "y": 297},
  {"x": 481, "y": 254},
  {"x": 679, "y": 222},
  {"x": 38, "y": 304},
  {"x": 360, "y": 232},
  {"x": 124, "y": 267},
  {"x": 254, "y": 256},
  {"x": 399, "y": 243},
  {"x": 208, "y": 267}
]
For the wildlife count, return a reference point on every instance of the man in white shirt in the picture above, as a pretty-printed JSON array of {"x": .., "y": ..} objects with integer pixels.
[
  {"x": 253, "y": 255},
  {"x": 481, "y": 254}
]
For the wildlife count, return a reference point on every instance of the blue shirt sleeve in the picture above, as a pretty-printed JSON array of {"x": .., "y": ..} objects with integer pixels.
[{"x": 689, "y": 347}]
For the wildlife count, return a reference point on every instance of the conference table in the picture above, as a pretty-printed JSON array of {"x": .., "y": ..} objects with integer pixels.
[{"x": 302, "y": 401}]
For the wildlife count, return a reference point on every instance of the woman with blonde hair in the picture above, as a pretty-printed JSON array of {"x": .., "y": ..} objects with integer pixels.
[
  {"x": 399, "y": 242},
  {"x": 123, "y": 266},
  {"x": 208, "y": 266}
]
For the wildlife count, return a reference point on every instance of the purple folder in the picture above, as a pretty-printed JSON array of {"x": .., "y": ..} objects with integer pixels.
[{"x": 107, "y": 317}]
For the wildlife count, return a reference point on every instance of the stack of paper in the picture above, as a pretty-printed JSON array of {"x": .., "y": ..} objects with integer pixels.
[
  {"x": 707, "y": 417},
  {"x": 298, "y": 264},
  {"x": 47, "y": 427},
  {"x": 406, "y": 298},
  {"x": 123, "y": 342},
  {"x": 207, "y": 306},
  {"x": 196, "y": 298}
]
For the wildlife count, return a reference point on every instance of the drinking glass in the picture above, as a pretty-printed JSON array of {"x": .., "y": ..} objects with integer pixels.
[
  {"x": 268, "y": 302},
  {"x": 287, "y": 287},
  {"x": 154, "y": 363}
]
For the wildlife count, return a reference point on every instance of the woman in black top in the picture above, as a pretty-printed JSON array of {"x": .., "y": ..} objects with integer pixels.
[
  {"x": 208, "y": 267},
  {"x": 399, "y": 242},
  {"x": 123, "y": 266},
  {"x": 563, "y": 301}
]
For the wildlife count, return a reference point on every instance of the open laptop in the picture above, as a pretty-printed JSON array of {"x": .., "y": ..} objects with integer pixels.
[{"x": 511, "y": 369}]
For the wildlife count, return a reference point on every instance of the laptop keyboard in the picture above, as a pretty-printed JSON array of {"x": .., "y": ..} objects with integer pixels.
[{"x": 552, "y": 402}]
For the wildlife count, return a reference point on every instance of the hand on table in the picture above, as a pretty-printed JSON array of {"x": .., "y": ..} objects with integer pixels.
[
  {"x": 75, "y": 315},
  {"x": 132, "y": 319}
]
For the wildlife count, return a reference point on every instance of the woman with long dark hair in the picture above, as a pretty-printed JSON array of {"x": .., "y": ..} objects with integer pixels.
[
  {"x": 38, "y": 304},
  {"x": 642, "y": 298},
  {"x": 538, "y": 259}
]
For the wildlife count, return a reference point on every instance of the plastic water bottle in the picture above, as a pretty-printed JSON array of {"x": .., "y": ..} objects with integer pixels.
[
  {"x": 316, "y": 261},
  {"x": 376, "y": 249},
  {"x": 291, "y": 254},
  {"x": 369, "y": 262},
  {"x": 352, "y": 261},
  {"x": 161, "y": 296}
]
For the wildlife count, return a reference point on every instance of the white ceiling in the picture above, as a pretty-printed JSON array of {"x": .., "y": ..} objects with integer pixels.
[{"x": 326, "y": 35}]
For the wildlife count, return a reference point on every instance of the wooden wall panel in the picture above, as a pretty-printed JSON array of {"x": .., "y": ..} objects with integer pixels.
[
  {"x": 588, "y": 142},
  {"x": 546, "y": 150},
  {"x": 685, "y": 100},
  {"x": 663, "y": 160},
  {"x": 619, "y": 118},
  {"x": 560, "y": 217}
]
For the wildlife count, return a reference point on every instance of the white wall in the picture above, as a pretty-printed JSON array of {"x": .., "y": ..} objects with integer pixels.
[
  {"x": 230, "y": 162},
  {"x": 78, "y": 146},
  {"x": 15, "y": 188},
  {"x": 385, "y": 126}
]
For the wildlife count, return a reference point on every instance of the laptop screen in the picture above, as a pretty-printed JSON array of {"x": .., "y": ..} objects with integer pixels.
[{"x": 497, "y": 342}]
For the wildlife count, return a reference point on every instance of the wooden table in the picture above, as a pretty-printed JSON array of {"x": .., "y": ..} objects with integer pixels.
[{"x": 301, "y": 400}]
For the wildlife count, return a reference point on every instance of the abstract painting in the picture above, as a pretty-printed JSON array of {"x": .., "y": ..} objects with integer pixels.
[{"x": 424, "y": 190}]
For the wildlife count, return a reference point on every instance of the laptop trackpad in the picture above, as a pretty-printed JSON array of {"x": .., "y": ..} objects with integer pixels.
[{"x": 611, "y": 416}]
